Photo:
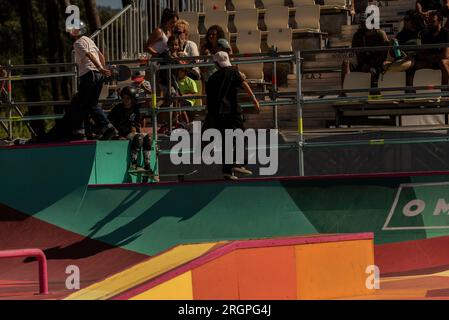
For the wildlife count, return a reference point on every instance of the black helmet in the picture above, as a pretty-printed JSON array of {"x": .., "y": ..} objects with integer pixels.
[{"x": 130, "y": 92}]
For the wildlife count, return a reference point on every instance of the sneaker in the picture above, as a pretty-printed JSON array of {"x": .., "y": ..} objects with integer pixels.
[
  {"x": 136, "y": 169},
  {"x": 242, "y": 170},
  {"x": 109, "y": 134},
  {"x": 230, "y": 177}
]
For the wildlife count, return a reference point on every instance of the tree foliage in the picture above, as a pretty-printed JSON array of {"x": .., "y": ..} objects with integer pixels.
[{"x": 33, "y": 31}]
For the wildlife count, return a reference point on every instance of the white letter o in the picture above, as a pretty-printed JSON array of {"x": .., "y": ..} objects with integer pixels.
[{"x": 409, "y": 212}]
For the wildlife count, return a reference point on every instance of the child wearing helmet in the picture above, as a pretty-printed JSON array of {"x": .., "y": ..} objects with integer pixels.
[{"x": 126, "y": 118}]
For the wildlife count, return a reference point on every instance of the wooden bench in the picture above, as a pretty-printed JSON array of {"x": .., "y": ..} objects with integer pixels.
[{"x": 363, "y": 112}]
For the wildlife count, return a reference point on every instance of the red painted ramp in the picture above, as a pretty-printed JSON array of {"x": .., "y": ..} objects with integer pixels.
[
  {"x": 418, "y": 257},
  {"x": 19, "y": 277}
]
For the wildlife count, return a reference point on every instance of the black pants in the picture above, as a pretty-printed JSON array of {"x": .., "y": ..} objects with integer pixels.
[
  {"x": 86, "y": 103},
  {"x": 222, "y": 122}
]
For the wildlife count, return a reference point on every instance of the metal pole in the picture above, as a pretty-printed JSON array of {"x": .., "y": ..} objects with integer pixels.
[
  {"x": 170, "y": 121},
  {"x": 300, "y": 112},
  {"x": 10, "y": 133},
  {"x": 275, "y": 88},
  {"x": 75, "y": 77},
  {"x": 154, "y": 115}
]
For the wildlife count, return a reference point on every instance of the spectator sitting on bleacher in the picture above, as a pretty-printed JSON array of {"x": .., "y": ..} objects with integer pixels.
[
  {"x": 187, "y": 87},
  {"x": 411, "y": 32},
  {"x": 426, "y": 7},
  {"x": 170, "y": 55},
  {"x": 409, "y": 35},
  {"x": 211, "y": 47},
  {"x": 214, "y": 33},
  {"x": 437, "y": 58},
  {"x": 157, "y": 43},
  {"x": 367, "y": 61},
  {"x": 189, "y": 48}
]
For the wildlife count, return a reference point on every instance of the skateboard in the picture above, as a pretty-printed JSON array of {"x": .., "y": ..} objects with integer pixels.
[
  {"x": 150, "y": 174},
  {"x": 120, "y": 73}
]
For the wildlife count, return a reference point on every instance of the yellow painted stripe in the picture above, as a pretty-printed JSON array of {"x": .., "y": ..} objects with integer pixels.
[
  {"x": 401, "y": 278},
  {"x": 300, "y": 126},
  {"x": 377, "y": 142},
  {"x": 154, "y": 100},
  {"x": 178, "y": 288},
  {"x": 143, "y": 272}
]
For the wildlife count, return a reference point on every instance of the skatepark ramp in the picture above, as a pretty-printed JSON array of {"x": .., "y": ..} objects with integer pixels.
[{"x": 308, "y": 267}]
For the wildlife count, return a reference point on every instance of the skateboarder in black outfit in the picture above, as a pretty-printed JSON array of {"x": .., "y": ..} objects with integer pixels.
[{"x": 126, "y": 119}]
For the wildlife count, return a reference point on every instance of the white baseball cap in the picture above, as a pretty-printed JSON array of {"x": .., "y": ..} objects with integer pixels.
[{"x": 222, "y": 58}]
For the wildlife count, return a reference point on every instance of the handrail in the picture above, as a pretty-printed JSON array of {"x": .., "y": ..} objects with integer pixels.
[
  {"x": 380, "y": 48},
  {"x": 111, "y": 21},
  {"x": 42, "y": 260},
  {"x": 38, "y": 66}
]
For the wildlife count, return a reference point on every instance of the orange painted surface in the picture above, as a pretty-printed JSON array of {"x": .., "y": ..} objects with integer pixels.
[
  {"x": 267, "y": 273},
  {"x": 333, "y": 270},
  {"x": 217, "y": 279}
]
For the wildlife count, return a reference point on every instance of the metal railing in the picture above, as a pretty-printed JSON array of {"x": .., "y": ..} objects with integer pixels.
[
  {"x": 42, "y": 260},
  {"x": 13, "y": 110},
  {"x": 298, "y": 97},
  {"x": 124, "y": 35}
]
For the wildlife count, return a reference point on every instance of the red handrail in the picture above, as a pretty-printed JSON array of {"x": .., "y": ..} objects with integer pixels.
[{"x": 40, "y": 256}]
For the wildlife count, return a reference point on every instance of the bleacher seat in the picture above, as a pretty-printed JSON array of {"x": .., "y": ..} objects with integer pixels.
[
  {"x": 392, "y": 80},
  {"x": 272, "y": 3},
  {"x": 244, "y": 4},
  {"x": 335, "y": 3},
  {"x": 303, "y": 2},
  {"x": 357, "y": 80},
  {"x": 246, "y": 19},
  {"x": 249, "y": 42},
  {"x": 192, "y": 18},
  {"x": 195, "y": 37},
  {"x": 214, "y": 5},
  {"x": 276, "y": 17},
  {"x": 216, "y": 18},
  {"x": 308, "y": 17},
  {"x": 425, "y": 77},
  {"x": 281, "y": 39}
]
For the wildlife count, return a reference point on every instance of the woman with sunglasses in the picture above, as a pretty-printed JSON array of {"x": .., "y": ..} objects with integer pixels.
[{"x": 181, "y": 30}]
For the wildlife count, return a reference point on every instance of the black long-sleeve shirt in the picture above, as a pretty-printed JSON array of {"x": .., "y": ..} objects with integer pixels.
[{"x": 124, "y": 119}]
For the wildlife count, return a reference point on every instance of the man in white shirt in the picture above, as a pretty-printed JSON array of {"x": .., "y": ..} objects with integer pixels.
[{"x": 92, "y": 70}]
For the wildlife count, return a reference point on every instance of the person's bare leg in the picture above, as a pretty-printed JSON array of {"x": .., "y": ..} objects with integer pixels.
[
  {"x": 345, "y": 70},
  {"x": 444, "y": 65},
  {"x": 420, "y": 63}
]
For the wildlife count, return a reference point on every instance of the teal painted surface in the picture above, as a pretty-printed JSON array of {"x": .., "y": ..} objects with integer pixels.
[
  {"x": 51, "y": 184},
  {"x": 33, "y": 180},
  {"x": 150, "y": 220},
  {"x": 112, "y": 163}
]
